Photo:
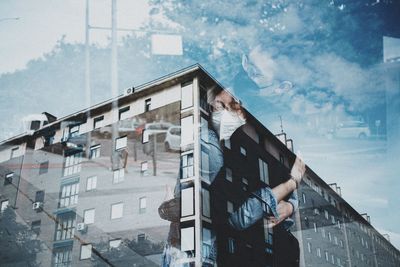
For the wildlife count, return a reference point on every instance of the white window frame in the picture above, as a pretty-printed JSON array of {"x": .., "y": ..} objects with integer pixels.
[
  {"x": 95, "y": 151},
  {"x": 118, "y": 176},
  {"x": 4, "y": 205},
  {"x": 98, "y": 122},
  {"x": 263, "y": 171},
  {"x": 121, "y": 142},
  {"x": 114, "y": 243},
  {"x": 86, "y": 252},
  {"x": 14, "y": 152},
  {"x": 187, "y": 165},
  {"x": 187, "y": 95},
  {"x": 91, "y": 183},
  {"x": 72, "y": 163},
  {"x": 117, "y": 214},
  {"x": 142, "y": 205},
  {"x": 187, "y": 130},
  {"x": 187, "y": 202},
  {"x": 123, "y": 113},
  {"x": 89, "y": 215},
  {"x": 187, "y": 239},
  {"x": 69, "y": 194}
]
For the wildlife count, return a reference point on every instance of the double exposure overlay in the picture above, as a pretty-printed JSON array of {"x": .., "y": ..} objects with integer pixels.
[{"x": 200, "y": 133}]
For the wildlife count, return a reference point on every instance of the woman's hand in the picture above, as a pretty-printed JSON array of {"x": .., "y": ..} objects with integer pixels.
[
  {"x": 284, "y": 209},
  {"x": 298, "y": 170}
]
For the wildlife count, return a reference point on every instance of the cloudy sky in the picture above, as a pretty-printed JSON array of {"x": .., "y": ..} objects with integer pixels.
[{"x": 313, "y": 65}]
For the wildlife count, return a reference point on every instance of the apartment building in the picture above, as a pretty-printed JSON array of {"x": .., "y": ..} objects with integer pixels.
[{"x": 132, "y": 182}]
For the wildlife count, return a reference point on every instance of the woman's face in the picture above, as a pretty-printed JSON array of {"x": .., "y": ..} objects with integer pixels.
[
  {"x": 227, "y": 115},
  {"x": 259, "y": 66}
]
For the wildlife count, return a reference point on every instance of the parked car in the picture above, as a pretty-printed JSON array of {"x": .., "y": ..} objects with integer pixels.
[
  {"x": 351, "y": 129},
  {"x": 173, "y": 139},
  {"x": 127, "y": 127}
]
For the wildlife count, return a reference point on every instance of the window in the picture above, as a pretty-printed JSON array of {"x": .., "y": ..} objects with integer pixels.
[
  {"x": 281, "y": 159},
  {"x": 204, "y": 129},
  {"x": 147, "y": 105},
  {"x": 98, "y": 122},
  {"x": 123, "y": 113},
  {"x": 206, "y": 203},
  {"x": 263, "y": 167},
  {"x": 316, "y": 211},
  {"x": 326, "y": 214},
  {"x": 187, "y": 166},
  {"x": 205, "y": 165},
  {"x": 323, "y": 232},
  {"x": 62, "y": 256},
  {"x": 14, "y": 152},
  {"x": 69, "y": 195},
  {"x": 231, "y": 245},
  {"x": 35, "y": 227},
  {"x": 141, "y": 238},
  {"x": 187, "y": 130},
  {"x": 335, "y": 240},
  {"x": 187, "y": 239},
  {"x": 145, "y": 137},
  {"x": 245, "y": 184},
  {"x": 186, "y": 95},
  {"x": 228, "y": 174},
  {"x": 39, "y": 196},
  {"x": 304, "y": 197},
  {"x": 95, "y": 151},
  {"x": 144, "y": 166},
  {"x": 88, "y": 216},
  {"x": 72, "y": 163},
  {"x": 121, "y": 142},
  {"x": 86, "y": 251},
  {"x": 330, "y": 236},
  {"x": 333, "y": 219},
  {"x": 332, "y": 259},
  {"x": 142, "y": 205},
  {"x": 268, "y": 235},
  {"x": 44, "y": 167},
  {"x": 243, "y": 151},
  {"x": 341, "y": 242},
  {"x": 187, "y": 201},
  {"x": 319, "y": 252},
  {"x": 65, "y": 227},
  {"x": 118, "y": 176},
  {"x": 117, "y": 210},
  {"x": 229, "y": 207},
  {"x": 91, "y": 183},
  {"x": 207, "y": 243},
  {"x": 115, "y": 243},
  {"x": 326, "y": 256},
  {"x": 9, "y": 178},
  {"x": 309, "y": 247},
  {"x": 4, "y": 205},
  {"x": 74, "y": 131},
  {"x": 315, "y": 227}
]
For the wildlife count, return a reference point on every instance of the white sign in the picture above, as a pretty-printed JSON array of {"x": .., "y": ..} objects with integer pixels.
[{"x": 166, "y": 44}]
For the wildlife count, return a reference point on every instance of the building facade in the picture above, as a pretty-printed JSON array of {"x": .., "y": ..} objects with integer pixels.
[{"x": 144, "y": 180}]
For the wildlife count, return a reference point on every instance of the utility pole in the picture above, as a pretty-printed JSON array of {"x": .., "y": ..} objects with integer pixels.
[
  {"x": 114, "y": 72},
  {"x": 87, "y": 76}
]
